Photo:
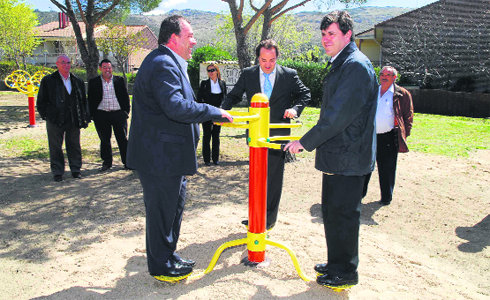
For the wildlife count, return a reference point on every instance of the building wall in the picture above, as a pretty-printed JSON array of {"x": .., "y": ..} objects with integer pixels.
[
  {"x": 372, "y": 50},
  {"x": 442, "y": 44}
]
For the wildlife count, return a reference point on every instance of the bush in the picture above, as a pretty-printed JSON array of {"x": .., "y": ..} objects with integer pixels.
[
  {"x": 202, "y": 54},
  {"x": 312, "y": 75}
]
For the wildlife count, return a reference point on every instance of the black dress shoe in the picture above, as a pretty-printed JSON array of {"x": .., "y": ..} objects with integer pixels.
[
  {"x": 216, "y": 163},
  {"x": 104, "y": 168},
  {"x": 341, "y": 280},
  {"x": 76, "y": 175},
  {"x": 207, "y": 163},
  {"x": 185, "y": 262},
  {"x": 173, "y": 269},
  {"x": 58, "y": 178},
  {"x": 321, "y": 268},
  {"x": 384, "y": 203}
]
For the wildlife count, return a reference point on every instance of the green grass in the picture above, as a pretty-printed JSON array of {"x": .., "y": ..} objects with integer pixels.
[{"x": 433, "y": 134}]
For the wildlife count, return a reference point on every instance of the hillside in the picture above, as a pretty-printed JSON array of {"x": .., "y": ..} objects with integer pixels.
[{"x": 204, "y": 22}]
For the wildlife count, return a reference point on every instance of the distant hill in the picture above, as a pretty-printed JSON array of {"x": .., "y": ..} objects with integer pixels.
[{"x": 204, "y": 23}]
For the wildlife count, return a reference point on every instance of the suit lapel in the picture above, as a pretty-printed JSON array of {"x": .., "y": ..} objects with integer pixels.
[{"x": 277, "y": 80}]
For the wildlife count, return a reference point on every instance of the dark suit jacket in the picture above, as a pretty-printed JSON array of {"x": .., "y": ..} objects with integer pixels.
[
  {"x": 204, "y": 93},
  {"x": 288, "y": 92},
  {"x": 344, "y": 137},
  {"x": 51, "y": 103},
  {"x": 164, "y": 132},
  {"x": 95, "y": 93}
]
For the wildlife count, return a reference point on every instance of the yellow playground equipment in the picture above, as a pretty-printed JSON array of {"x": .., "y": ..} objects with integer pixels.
[{"x": 29, "y": 85}]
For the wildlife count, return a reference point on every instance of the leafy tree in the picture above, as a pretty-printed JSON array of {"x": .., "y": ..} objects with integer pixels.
[
  {"x": 271, "y": 10},
  {"x": 92, "y": 13},
  {"x": 17, "y": 31},
  {"x": 121, "y": 42},
  {"x": 293, "y": 40}
]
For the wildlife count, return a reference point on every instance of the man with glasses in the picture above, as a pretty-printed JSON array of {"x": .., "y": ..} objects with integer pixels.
[
  {"x": 394, "y": 118},
  {"x": 287, "y": 95},
  {"x": 62, "y": 102}
]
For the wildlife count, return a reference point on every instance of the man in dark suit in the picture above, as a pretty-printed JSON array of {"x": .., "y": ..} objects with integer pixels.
[
  {"x": 109, "y": 107},
  {"x": 162, "y": 143},
  {"x": 62, "y": 102},
  {"x": 287, "y": 95},
  {"x": 344, "y": 139}
]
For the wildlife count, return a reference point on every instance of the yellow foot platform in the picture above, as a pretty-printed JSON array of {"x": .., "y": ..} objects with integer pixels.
[
  {"x": 339, "y": 288},
  {"x": 171, "y": 279}
]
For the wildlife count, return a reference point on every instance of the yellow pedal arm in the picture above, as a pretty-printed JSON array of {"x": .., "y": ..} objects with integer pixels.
[
  {"x": 285, "y": 125},
  {"x": 293, "y": 258},
  {"x": 284, "y": 138}
]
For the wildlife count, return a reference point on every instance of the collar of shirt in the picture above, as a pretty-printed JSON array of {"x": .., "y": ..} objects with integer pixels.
[
  {"x": 67, "y": 83},
  {"x": 215, "y": 88},
  {"x": 272, "y": 77},
  {"x": 336, "y": 55},
  {"x": 390, "y": 90},
  {"x": 105, "y": 81},
  {"x": 182, "y": 62}
]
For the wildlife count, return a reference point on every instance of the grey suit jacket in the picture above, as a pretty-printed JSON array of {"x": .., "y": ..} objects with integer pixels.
[
  {"x": 288, "y": 92},
  {"x": 164, "y": 132}
]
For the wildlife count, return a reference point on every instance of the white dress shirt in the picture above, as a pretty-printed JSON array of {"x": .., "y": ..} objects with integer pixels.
[
  {"x": 385, "y": 116},
  {"x": 67, "y": 83},
  {"x": 215, "y": 88}
]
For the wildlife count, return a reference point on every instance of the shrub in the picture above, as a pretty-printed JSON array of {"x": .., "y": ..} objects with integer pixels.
[{"x": 202, "y": 54}]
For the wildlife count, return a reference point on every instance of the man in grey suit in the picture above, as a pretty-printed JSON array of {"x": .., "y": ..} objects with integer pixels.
[
  {"x": 345, "y": 143},
  {"x": 287, "y": 95},
  {"x": 162, "y": 143}
]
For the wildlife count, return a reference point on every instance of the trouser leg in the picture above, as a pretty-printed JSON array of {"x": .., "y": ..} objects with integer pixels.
[
  {"x": 341, "y": 208},
  {"x": 103, "y": 126},
  {"x": 215, "y": 142},
  {"x": 164, "y": 198},
  {"x": 206, "y": 139},
  {"x": 55, "y": 142},
  {"x": 73, "y": 149},
  {"x": 386, "y": 158},
  {"x": 120, "y": 125},
  {"x": 275, "y": 174}
]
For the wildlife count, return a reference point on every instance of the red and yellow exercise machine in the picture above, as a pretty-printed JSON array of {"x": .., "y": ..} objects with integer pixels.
[
  {"x": 29, "y": 85},
  {"x": 256, "y": 120}
]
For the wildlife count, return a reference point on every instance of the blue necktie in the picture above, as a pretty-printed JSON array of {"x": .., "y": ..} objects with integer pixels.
[{"x": 267, "y": 86}]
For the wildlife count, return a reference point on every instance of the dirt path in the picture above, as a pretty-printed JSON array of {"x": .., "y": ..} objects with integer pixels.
[{"x": 84, "y": 239}]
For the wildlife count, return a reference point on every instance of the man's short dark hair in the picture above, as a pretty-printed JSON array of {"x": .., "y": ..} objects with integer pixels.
[
  {"x": 104, "y": 61},
  {"x": 267, "y": 44},
  {"x": 169, "y": 26},
  {"x": 341, "y": 17}
]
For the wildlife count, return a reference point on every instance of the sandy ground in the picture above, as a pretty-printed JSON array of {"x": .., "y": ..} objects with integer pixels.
[{"x": 84, "y": 239}]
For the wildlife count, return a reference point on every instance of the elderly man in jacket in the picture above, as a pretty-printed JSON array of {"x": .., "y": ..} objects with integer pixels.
[
  {"x": 394, "y": 118},
  {"x": 344, "y": 139},
  {"x": 62, "y": 102}
]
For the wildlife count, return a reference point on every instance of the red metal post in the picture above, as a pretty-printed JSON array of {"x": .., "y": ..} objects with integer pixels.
[{"x": 32, "y": 112}]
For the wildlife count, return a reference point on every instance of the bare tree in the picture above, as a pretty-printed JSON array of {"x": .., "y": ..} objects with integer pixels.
[{"x": 271, "y": 10}]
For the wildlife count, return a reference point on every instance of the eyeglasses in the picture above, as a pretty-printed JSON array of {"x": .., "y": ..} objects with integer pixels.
[
  {"x": 211, "y": 70},
  {"x": 386, "y": 74}
]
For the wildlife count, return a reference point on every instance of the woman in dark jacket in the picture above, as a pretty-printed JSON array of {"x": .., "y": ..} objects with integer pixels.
[{"x": 212, "y": 91}]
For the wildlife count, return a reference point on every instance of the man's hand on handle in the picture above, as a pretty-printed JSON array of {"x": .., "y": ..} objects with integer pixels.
[{"x": 294, "y": 147}]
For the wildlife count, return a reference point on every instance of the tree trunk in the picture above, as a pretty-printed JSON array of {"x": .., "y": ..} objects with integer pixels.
[{"x": 242, "y": 53}]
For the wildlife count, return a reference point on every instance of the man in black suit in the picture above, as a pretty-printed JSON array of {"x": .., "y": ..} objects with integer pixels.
[
  {"x": 109, "y": 107},
  {"x": 287, "y": 95},
  {"x": 62, "y": 102},
  {"x": 345, "y": 143},
  {"x": 162, "y": 143}
]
